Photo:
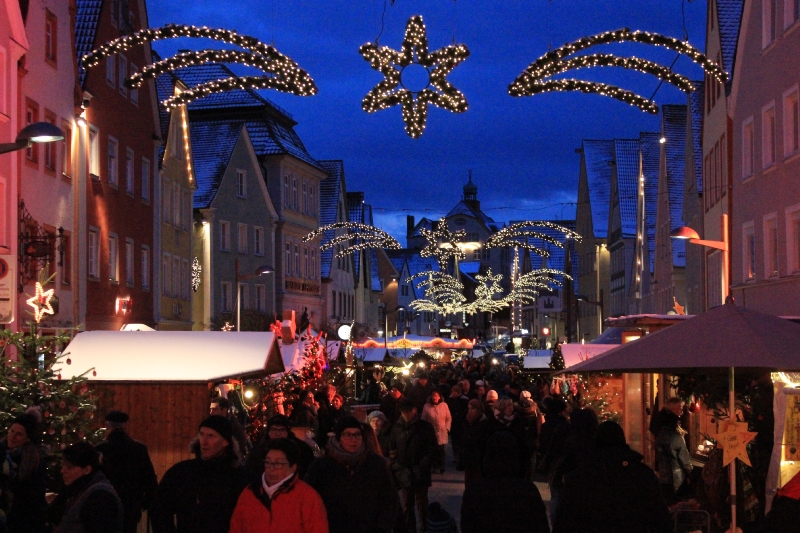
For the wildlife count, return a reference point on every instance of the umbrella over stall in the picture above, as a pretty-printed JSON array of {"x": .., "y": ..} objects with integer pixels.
[{"x": 720, "y": 340}]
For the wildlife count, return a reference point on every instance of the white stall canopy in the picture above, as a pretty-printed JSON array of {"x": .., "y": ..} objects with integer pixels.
[{"x": 172, "y": 355}]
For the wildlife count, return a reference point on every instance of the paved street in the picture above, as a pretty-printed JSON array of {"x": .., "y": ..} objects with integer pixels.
[{"x": 448, "y": 488}]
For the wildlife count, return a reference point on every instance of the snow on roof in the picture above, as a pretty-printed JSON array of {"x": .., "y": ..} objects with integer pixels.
[
  {"x": 170, "y": 355},
  {"x": 599, "y": 157},
  {"x": 627, "y": 157},
  {"x": 729, "y": 13}
]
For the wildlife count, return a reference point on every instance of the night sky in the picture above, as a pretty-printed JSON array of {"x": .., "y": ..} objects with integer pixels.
[{"x": 521, "y": 150}]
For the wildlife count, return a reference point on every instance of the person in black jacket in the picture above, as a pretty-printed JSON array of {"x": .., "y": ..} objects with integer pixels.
[
  {"x": 355, "y": 484},
  {"x": 412, "y": 448},
  {"x": 126, "y": 464},
  {"x": 420, "y": 391},
  {"x": 503, "y": 501},
  {"x": 457, "y": 403},
  {"x": 278, "y": 427},
  {"x": 23, "y": 476},
  {"x": 614, "y": 492},
  {"x": 88, "y": 501},
  {"x": 198, "y": 495}
]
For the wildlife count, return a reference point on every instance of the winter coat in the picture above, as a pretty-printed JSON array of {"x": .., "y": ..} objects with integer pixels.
[
  {"x": 516, "y": 429},
  {"x": 439, "y": 417},
  {"x": 672, "y": 458},
  {"x": 419, "y": 394},
  {"x": 552, "y": 442},
  {"x": 88, "y": 505},
  {"x": 294, "y": 508},
  {"x": 474, "y": 440},
  {"x": 613, "y": 493},
  {"x": 201, "y": 493},
  {"x": 126, "y": 463},
  {"x": 389, "y": 409},
  {"x": 23, "y": 486},
  {"x": 415, "y": 446},
  {"x": 359, "y": 494},
  {"x": 502, "y": 501}
]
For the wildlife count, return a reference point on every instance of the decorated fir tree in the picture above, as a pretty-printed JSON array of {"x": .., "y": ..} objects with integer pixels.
[{"x": 557, "y": 360}]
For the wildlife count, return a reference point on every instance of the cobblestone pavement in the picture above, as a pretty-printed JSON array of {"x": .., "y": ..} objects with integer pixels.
[{"x": 448, "y": 488}]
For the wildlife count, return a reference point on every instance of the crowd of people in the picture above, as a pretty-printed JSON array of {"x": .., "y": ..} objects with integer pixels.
[{"x": 322, "y": 466}]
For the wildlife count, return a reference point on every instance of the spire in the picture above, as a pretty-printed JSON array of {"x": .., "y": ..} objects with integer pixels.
[{"x": 471, "y": 194}]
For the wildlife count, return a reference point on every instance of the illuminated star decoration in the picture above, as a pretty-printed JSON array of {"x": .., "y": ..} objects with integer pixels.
[
  {"x": 534, "y": 79},
  {"x": 41, "y": 303},
  {"x": 196, "y": 270},
  {"x": 358, "y": 237},
  {"x": 733, "y": 441},
  {"x": 442, "y": 243},
  {"x": 414, "y": 104},
  {"x": 488, "y": 287},
  {"x": 283, "y": 74}
]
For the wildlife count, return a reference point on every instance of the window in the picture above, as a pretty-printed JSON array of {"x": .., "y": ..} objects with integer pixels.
[
  {"x": 66, "y": 150},
  {"x": 50, "y": 37},
  {"x": 94, "y": 253},
  {"x": 258, "y": 240},
  {"x": 286, "y": 191},
  {"x": 111, "y": 70},
  {"x": 770, "y": 245},
  {"x": 305, "y": 198},
  {"x": 242, "y": 244},
  {"x": 129, "y": 274},
  {"x": 294, "y": 194},
  {"x": 312, "y": 203},
  {"x": 113, "y": 258},
  {"x": 176, "y": 276},
  {"x": 791, "y": 122},
  {"x": 769, "y": 13},
  {"x": 145, "y": 267},
  {"x": 485, "y": 253},
  {"x": 288, "y": 259},
  {"x": 94, "y": 152},
  {"x": 50, "y": 149},
  {"x": 31, "y": 116},
  {"x": 261, "y": 298},
  {"x": 333, "y": 304},
  {"x": 123, "y": 74},
  {"x": 224, "y": 236},
  {"x": 185, "y": 277},
  {"x": 241, "y": 183},
  {"x": 66, "y": 267},
  {"x": 768, "y": 135},
  {"x": 129, "y": 171},
  {"x": 227, "y": 293},
  {"x": 297, "y": 261},
  {"x": 314, "y": 270},
  {"x": 166, "y": 274},
  {"x": 748, "y": 147},
  {"x": 145, "y": 179},
  {"x": 748, "y": 251},
  {"x": 113, "y": 162},
  {"x": 306, "y": 264},
  {"x": 166, "y": 200},
  {"x": 134, "y": 92},
  {"x": 791, "y": 12},
  {"x": 793, "y": 238}
]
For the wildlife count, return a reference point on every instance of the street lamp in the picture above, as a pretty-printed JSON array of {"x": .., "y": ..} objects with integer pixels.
[
  {"x": 685, "y": 232},
  {"x": 263, "y": 269},
  {"x": 38, "y": 132},
  {"x": 584, "y": 299}
]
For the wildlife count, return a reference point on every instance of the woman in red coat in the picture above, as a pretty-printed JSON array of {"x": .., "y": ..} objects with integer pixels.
[{"x": 279, "y": 502}]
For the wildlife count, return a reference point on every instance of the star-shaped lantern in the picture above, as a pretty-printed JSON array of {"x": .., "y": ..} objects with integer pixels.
[
  {"x": 414, "y": 103},
  {"x": 733, "y": 441},
  {"x": 442, "y": 243},
  {"x": 41, "y": 303}
]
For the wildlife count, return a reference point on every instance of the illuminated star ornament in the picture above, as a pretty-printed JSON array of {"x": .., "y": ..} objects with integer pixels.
[
  {"x": 733, "y": 441},
  {"x": 282, "y": 73},
  {"x": 442, "y": 243},
  {"x": 393, "y": 63},
  {"x": 537, "y": 78},
  {"x": 41, "y": 303}
]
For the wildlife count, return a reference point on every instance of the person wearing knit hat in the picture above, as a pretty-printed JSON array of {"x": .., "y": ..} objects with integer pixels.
[
  {"x": 24, "y": 486},
  {"x": 377, "y": 421},
  {"x": 200, "y": 494}
]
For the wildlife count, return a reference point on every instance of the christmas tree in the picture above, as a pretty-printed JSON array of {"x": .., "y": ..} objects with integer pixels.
[{"x": 557, "y": 360}]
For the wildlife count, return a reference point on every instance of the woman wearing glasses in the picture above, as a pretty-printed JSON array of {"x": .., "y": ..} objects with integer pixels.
[
  {"x": 354, "y": 483},
  {"x": 279, "y": 502}
]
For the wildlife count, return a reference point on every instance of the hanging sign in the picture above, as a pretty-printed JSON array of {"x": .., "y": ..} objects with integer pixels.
[{"x": 8, "y": 289}]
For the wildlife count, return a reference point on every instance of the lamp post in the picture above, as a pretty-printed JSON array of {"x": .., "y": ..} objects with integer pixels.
[
  {"x": 686, "y": 232},
  {"x": 584, "y": 299},
  {"x": 263, "y": 269},
  {"x": 38, "y": 132}
]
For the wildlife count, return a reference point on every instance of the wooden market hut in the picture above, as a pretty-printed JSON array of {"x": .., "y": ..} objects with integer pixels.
[{"x": 163, "y": 379}]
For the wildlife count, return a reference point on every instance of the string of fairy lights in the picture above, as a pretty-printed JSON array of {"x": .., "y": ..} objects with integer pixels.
[
  {"x": 414, "y": 104},
  {"x": 196, "y": 271},
  {"x": 283, "y": 73},
  {"x": 358, "y": 237},
  {"x": 533, "y": 80},
  {"x": 443, "y": 244}
]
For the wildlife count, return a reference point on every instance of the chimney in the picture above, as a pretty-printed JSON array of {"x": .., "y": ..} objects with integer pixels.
[
  {"x": 409, "y": 225},
  {"x": 288, "y": 327}
]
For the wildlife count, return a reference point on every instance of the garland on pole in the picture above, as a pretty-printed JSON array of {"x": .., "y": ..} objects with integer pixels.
[
  {"x": 533, "y": 80},
  {"x": 414, "y": 51}
]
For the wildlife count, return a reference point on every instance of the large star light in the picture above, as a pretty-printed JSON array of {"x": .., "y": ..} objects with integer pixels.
[
  {"x": 414, "y": 103},
  {"x": 41, "y": 303},
  {"x": 442, "y": 243}
]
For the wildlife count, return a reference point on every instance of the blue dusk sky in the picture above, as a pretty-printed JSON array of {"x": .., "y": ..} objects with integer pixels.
[{"x": 521, "y": 150}]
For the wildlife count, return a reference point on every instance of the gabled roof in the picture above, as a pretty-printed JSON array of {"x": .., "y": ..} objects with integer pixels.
[
  {"x": 674, "y": 128},
  {"x": 329, "y": 189},
  {"x": 696, "y": 99},
  {"x": 165, "y": 88},
  {"x": 651, "y": 152},
  {"x": 212, "y": 146},
  {"x": 729, "y": 13},
  {"x": 87, "y": 16},
  {"x": 423, "y": 223},
  {"x": 271, "y": 128},
  {"x": 462, "y": 208},
  {"x": 627, "y": 157},
  {"x": 599, "y": 157}
]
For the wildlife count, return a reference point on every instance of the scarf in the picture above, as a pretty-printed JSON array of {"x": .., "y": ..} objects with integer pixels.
[
  {"x": 350, "y": 460},
  {"x": 271, "y": 490},
  {"x": 503, "y": 419}
]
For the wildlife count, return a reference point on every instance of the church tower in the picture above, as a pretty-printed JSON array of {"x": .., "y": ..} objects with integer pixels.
[{"x": 471, "y": 195}]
